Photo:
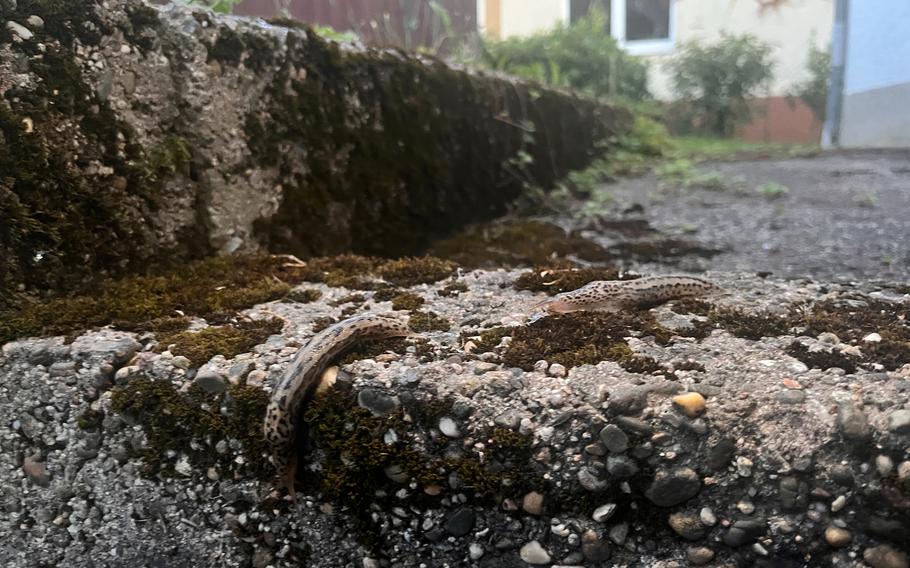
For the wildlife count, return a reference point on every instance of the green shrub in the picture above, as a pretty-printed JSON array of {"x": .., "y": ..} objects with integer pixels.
[
  {"x": 716, "y": 81},
  {"x": 582, "y": 56},
  {"x": 814, "y": 90}
]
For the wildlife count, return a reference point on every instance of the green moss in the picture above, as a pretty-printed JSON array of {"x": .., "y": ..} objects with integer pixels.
[
  {"x": 214, "y": 289},
  {"x": 387, "y": 294},
  {"x": 321, "y": 323},
  {"x": 143, "y": 26},
  {"x": 850, "y": 318},
  {"x": 349, "y": 441},
  {"x": 90, "y": 420},
  {"x": 559, "y": 278},
  {"x": 488, "y": 339},
  {"x": 193, "y": 422},
  {"x": 227, "y": 340},
  {"x": 750, "y": 325},
  {"x": 428, "y": 321},
  {"x": 517, "y": 243},
  {"x": 821, "y": 359},
  {"x": 349, "y": 299},
  {"x": 416, "y": 270},
  {"x": 693, "y": 306},
  {"x": 362, "y": 272},
  {"x": 228, "y": 47},
  {"x": 304, "y": 296},
  {"x": 582, "y": 338},
  {"x": 407, "y": 301},
  {"x": 453, "y": 289}
]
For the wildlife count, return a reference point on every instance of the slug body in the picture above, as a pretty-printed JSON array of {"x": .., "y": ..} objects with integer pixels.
[
  {"x": 301, "y": 379},
  {"x": 615, "y": 295}
]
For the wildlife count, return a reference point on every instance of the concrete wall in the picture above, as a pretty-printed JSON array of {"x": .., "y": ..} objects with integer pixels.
[{"x": 877, "y": 79}]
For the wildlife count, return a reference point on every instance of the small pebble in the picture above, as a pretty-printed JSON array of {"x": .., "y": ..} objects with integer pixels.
[
  {"x": 475, "y": 551},
  {"x": 618, "y": 533},
  {"x": 449, "y": 428},
  {"x": 557, "y": 370},
  {"x": 614, "y": 438},
  {"x": 884, "y": 465},
  {"x": 872, "y": 338},
  {"x": 692, "y": 404},
  {"x": 838, "y": 504},
  {"x": 19, "y": 30},
  {"x": 603, "y": 513},
  {"x": 884, "y": 556},
  {"x": 699, "y": 556},
  {"x": 837, "y": 537},
  {"x": 687, "y": 526},
  {"x": 532, "y": 503},
  {"x": 707, "y": 517},
  {"x": 534, "y": 553},
  {"x": 899, "y": 422},
  {"x": 35, "y": 471},
  {"x": 745, "y": 507}
]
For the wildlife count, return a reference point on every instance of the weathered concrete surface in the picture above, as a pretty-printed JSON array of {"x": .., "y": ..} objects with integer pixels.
[
  {"x": 132, "y": 135},
  {"x": 786, "y": 465}
]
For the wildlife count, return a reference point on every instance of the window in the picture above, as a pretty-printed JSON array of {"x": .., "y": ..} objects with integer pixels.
[
  {"x": 642, "y": 27},
  {"x": 647, "y": 19}
]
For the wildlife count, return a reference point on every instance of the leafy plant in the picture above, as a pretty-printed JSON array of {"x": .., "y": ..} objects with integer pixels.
[
  {"x": 772, "y": 190},
  {"x": 581, "y": 56},
  {"x": 814, "y": 90},
  {"x": 221, "y": 6},
  {"x": 717, "y": 81}
]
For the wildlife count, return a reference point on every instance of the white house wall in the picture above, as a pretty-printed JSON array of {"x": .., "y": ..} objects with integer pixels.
[{"x": 789, "y": 29}]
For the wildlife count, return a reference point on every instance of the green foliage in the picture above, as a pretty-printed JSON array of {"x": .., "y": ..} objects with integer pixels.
[
  {"x": 332, "y": 34},
  {"x": 582, "y": 56},
  {"x": 220, "y": 6},
  {"x": 814, "y": 90},
  {"x": 772, "y": 190},
  {"x": 716, "y": 81},
  {"x": 697, "y": 148}
]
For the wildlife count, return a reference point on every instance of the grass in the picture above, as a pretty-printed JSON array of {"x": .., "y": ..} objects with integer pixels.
[{"x": 697, "y": 148}]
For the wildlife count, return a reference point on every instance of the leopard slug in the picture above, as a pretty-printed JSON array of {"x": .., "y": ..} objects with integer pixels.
[
  {"x": 615, "y": 295},
  {"x": 301, "y": 379}
]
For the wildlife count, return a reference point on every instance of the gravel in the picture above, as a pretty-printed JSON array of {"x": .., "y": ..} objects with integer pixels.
[{"x": 753, "y": 479}]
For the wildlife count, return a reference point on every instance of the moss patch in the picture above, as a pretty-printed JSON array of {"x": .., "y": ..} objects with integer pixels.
[
  {"x": 193, "y": 422},
  {"x": 751, "y": 325},
  {"x": 228, "y": 340},
  {"x": 579, "y": 339},
  {"x": 214, "y": 289},
  {"x": 363, "y": 272},
  {"x": 355, "y": 459},
  {"x": 349, "y": 299},
  {"x": 407, "y": 301},
  {"x": 821, "y": 359},
  {"x": 850, "y": 318},
  {"x": 453, "y": 289},
  {"x": 305, "y": 296},
  {"x": 557, "y": 279},
  {"x": 517, "y": 243},
  {"x": 428, "y": 321}
]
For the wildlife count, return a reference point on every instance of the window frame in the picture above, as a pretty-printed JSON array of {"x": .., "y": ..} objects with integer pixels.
[{"x": 618, "y": 30}]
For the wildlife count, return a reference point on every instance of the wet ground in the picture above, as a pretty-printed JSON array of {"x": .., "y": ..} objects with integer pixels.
[{"x": 843, "y": 215}]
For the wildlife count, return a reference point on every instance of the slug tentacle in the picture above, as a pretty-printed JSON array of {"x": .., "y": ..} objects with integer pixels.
[{"x": 301, "y": 379}]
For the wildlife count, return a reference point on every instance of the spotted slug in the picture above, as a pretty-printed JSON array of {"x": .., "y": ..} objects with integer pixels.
[
  {"x": 301, "y": 379},
  {"x": 616, "y": 295}
]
